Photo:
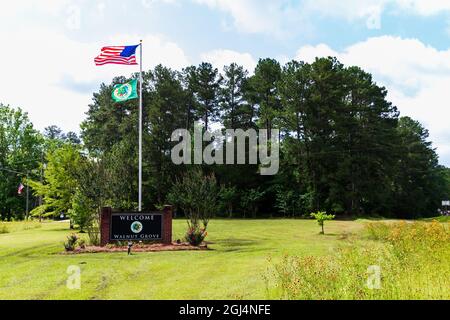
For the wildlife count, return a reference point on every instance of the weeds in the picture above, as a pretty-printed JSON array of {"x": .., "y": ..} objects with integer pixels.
[{"x": 413, "y": 259}]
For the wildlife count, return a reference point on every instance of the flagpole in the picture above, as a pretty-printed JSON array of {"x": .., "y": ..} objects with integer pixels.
[{"x": 140, "y": 132}]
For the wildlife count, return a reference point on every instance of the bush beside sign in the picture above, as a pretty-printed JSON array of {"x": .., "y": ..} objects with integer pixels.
[{"x": 152, "y": 226}]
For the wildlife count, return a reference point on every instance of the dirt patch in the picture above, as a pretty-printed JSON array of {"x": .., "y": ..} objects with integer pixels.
[{"x": 157, "y": 247}]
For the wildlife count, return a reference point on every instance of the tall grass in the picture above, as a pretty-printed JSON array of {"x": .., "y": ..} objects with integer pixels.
[{"x": 413, "y": 260}]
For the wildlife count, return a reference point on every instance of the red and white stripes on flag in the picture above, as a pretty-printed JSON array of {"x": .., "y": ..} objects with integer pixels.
[{"x": 117, "y": 55}]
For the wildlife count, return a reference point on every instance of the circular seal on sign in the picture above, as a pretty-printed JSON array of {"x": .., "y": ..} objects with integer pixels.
[
  {"x": 123, "y": 92},
  {"x": 136, "y": 227}
]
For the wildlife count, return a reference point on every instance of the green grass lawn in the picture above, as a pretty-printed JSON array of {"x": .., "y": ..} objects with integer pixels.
[{"x": 31, "y": 266}]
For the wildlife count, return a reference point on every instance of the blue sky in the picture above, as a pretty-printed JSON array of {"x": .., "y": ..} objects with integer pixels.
[{"x": 49, "y": 45}]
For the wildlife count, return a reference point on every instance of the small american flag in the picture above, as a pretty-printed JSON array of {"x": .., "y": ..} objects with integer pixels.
[
  {"x": 20, "y": 189},
  {"x": 117, "y": 55}
]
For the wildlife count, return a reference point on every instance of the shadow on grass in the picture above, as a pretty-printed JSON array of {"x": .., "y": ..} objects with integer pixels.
[
  {"x": 63, "y": 229},
  {"x": 328, "y": 234},
  {"x": 233, "y": 245}
]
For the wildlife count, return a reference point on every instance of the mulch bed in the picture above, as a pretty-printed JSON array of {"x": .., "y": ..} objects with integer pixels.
[{"x": 156, "y": 247}]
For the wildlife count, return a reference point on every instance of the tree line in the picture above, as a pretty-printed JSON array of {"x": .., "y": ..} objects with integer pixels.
[{"x": 344, "y": 148}]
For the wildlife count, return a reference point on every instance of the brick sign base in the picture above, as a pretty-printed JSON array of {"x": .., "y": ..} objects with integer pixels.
[{"x": 106, "y": 218}]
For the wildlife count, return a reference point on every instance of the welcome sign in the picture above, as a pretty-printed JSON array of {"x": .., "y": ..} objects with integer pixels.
[{"x": 136, "y": 226}]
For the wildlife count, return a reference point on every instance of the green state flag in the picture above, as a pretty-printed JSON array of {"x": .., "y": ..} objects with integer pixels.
[{"x": 125, "y": 92}]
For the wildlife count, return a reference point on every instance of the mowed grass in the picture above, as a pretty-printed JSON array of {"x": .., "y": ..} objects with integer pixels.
[{"x": 31, "y": 266}]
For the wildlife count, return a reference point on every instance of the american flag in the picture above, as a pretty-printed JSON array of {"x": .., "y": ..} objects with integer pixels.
[
  {"x": 20, "y": 189},
  {"x": 117, "y": 55}
]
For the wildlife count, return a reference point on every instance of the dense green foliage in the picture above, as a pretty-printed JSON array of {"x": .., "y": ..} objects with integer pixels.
[
  {"x": 59, "y": 184},
  {"x": 21, "y": 150},
  {"x": 344, "y": 148}
]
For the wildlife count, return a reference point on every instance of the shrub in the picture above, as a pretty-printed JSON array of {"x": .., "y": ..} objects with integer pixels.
[
  {"x": 71, "y": 242},
  {"x": 195, "y": 235},
  {"x": 321, "y": 217},
  {"x": 83, "y": 210},
  {"x": 198, "y": 196}
]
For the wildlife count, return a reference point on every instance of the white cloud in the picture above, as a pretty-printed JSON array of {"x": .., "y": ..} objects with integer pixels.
[
  {"x": 417, "y": 78},
  {"x": 52, "y": 77},
  {"x": 369, "y": 11},
  {"x": 220, "y": 58},
  {"x": 41, "y": 58}
]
